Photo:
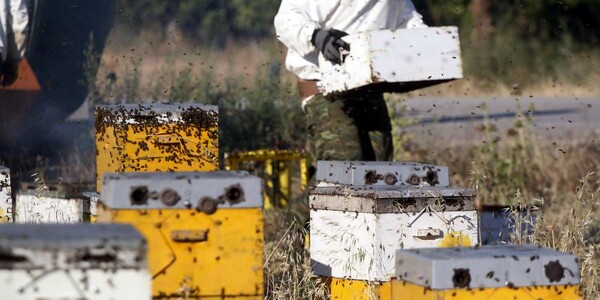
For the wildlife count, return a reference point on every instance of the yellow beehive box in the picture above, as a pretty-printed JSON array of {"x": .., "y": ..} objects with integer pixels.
[
  {"x": 204, "y": 230},
  {"x": 490, "y": 272},
  {"x": 276, "y": 168},
  {"x": 156, "y": 137}
]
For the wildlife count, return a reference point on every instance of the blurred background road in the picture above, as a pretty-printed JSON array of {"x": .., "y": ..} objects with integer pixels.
[{"x": 457, "y": 118}]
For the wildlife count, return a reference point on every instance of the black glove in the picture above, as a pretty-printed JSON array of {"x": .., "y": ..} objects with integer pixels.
[
  {"x": 10, "y": 72},
  {"x": 329, "y": 41}
]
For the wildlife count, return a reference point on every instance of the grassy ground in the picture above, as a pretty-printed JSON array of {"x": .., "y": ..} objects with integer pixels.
[
  {"x": 249, "y": 84},
  {"x": 515, "y": 174},
  {"x": 526, "y": 170}
]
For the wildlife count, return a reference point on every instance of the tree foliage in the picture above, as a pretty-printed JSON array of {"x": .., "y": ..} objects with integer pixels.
[
  {"x": 548, "y": 20},
  {"x": 215, "y": 20}
]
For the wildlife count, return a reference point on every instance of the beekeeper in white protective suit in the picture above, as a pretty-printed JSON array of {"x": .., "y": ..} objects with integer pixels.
[
  {"x": 350, "y": 126},
  {"x": 13, "y": 34}
]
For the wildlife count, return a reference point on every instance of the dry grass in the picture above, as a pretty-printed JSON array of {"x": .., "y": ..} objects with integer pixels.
[
  {"x": 525, "y": 169},
  {"x": 568, "y": 218},
  {"x": 150, "y": 56},
  {"x": 287, "y": 261},
  {"x": 155, "y": 61},
  {"x": 573, "y": 227}
]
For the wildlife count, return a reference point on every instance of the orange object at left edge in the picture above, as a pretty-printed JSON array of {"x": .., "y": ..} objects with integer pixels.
[{"x": 27, "y": 80}]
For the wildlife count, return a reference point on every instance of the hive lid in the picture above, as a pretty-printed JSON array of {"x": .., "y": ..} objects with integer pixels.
[
  {"x": 64, "y": 236},
  {"x": 71, "y": 246},
  {"x": 191, "y": 190},
  {"x": 380, "y": 173},
  {"x": 63, "y": 190},
  {"x": 391, "y": 199},
  {"x": 201, "y": 115},
  {"x": 486, "y": 267}
]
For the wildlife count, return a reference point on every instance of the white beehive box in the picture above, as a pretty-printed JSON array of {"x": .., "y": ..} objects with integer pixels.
[
  {"x": 355, "y": 231},
  {"x": 398, "y": 60},
  {"x": 487, "y": 267},
  {"x": 6, "y": 203},
  {"x": 73, "y": 261},
  {"x": 52, "y": 203},
  {"x": 385, "y": 173}
]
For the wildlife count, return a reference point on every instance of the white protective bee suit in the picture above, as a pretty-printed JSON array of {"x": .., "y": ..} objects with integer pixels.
[
  {"x": 349, "y": 126},
  {"x": 297, "y": 20},
  {"x": 14, "y": 20}
]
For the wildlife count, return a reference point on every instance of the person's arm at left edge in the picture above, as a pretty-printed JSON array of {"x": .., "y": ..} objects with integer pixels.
[{"x": 17, "y": 26}]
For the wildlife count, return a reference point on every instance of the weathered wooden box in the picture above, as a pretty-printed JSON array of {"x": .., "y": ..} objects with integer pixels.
[
  {"x": 398, "y": 60},
  {"x": 73, "y": 261},
  {"x": 384, "y": 173},
  {"x": 204, "y": 229},
  {"x": 356, "y": 230},
  {"x": 52, "y": 202},
  {"x": 489, "y": 272}
]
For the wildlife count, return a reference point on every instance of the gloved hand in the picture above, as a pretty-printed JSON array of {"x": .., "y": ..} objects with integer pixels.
[
  {"x": 329, "y": 42},
  {"x": 10, "y": 72}
]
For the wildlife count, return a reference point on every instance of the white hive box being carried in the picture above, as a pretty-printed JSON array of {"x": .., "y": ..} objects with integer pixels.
[
  {"x": 398, "y": 60},
  {"x": 73, "y": 261}
]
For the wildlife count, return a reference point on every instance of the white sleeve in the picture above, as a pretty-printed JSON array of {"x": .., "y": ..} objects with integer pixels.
[
  {"x": 18, "y": 21},
  {"x": 296, "y": 21},
  {"x": 408, "y": 17}
]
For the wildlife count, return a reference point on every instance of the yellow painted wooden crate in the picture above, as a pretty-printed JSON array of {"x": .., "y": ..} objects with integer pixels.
[
  {"x": 403, "y": 290},
  {"x": 275, "y": 167},
  {"x": 348, "y": 289},
  {"x": 204, "y": 230},
  {"x": 156, "y": 137},
  {"x": 524, "y": 272}
]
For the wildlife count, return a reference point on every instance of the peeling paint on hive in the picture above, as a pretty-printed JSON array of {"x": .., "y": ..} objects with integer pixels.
[
  {"x": 356, "y": 230},
  {"x": 52, "y": 203},
  {"x": 156, "y": 137},
  {"x": 204, "y": 229}
]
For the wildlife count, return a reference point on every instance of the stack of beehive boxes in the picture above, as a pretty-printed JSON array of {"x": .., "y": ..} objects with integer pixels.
[
  {"x": 362, "y": 212},
  {"x": 204, "y": 229},
  {"x": 382, "y": 230}
]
